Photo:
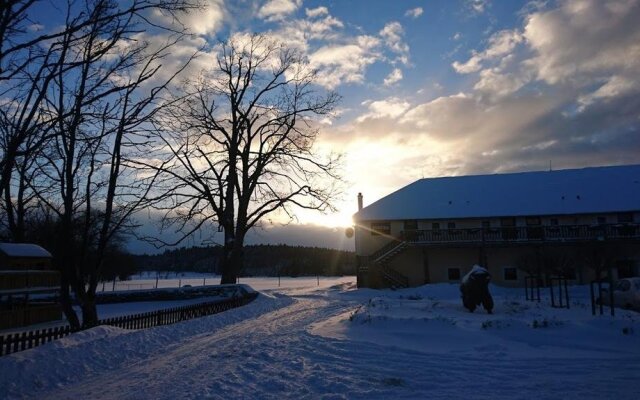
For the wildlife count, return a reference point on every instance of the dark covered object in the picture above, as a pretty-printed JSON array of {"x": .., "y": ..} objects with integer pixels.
[{"x": 475, "y": 289}]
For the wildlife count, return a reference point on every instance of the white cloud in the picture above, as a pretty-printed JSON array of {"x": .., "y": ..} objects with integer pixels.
[
  {"x": 473, "y": 64},
  {"x": 206, "y": 21},
  {"x": 338, "y": 57},
  {"x": 345, "y": 63},
  {"x": 590, "y": 47},
  {"x": 562, "y": 87},
  {"x": 316, "y": 12},
  {"x": 35, "y": 27},
  {"x": 499, "y": 44},
  {"x": 503, "y": 42},
  {"x": 414, "y": 12},
  {"x": 392, "y": 34},
  {"x": 614, "y": 87},
  {"x": 202, "y": 21},
  {"x": 478, "y": 6},
  {"x": 496, "y": 83},
  {"x": 586, "y": 39},
  {"x": 392, "y": 108},
  {"x": 394, "y": 77},
  {"x": 275, "y": 10}
]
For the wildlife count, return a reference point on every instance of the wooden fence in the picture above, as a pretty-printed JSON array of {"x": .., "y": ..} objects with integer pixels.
[{"x": 15, "y": 342}]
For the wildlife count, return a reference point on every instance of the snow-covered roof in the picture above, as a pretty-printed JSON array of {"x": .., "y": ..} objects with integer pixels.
[
  {"x": 570, "y": 191},
  {"x": 24, "y": 250}
]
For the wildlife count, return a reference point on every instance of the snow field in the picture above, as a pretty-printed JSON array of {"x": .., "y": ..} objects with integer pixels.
[
  {"x": 431, "y": 319},
  {"x": 335, "y": 342},
  {"x": 148, "y": 281}
]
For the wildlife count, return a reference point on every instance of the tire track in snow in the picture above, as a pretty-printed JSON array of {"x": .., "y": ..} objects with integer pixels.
[{"x": 273, "y": 356}]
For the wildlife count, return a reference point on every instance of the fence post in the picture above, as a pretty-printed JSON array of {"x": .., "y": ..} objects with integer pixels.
[
  {"x": 566, "y": 293},
  {"x": 611, "y": 300}
]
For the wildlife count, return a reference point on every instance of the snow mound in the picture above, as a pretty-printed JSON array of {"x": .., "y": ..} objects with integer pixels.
[{"x": 88, "y": 336}]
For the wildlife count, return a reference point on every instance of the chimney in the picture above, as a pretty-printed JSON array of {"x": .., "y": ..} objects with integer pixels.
[{"x": 359, "y": 201}]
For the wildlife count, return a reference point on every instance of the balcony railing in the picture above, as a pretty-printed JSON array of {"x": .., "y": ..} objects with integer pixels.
[{"x": 524, "y": 234}]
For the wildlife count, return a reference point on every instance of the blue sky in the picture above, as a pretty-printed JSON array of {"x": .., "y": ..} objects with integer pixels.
[
  {"x": 434, "y": 88},
  {"x": 438, "y": 88},
  {"x": 451, "y": 87}
]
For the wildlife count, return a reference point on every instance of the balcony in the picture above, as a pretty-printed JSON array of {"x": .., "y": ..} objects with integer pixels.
[{"x": 524, "y": 234}]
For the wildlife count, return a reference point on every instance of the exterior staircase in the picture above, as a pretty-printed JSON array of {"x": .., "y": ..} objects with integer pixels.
[{"x": 381, "y": 258}]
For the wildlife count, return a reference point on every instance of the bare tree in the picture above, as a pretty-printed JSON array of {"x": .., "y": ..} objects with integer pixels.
[
  {"x": 101, "y": 92},
  {"x": 241, "y": 145},
  {"x": 29, "y": 60}
]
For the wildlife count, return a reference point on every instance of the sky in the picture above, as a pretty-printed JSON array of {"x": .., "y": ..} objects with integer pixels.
[{"x": 450, "y": 87}]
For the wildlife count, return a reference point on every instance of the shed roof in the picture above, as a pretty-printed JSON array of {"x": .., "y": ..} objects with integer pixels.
[
  {"x": 24, "y": 250},
  {"x": 570, "y": 191}
]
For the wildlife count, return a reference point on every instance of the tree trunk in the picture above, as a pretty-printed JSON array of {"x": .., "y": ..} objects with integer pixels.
[
  {"x": 89, "y": 312},
  {"x": 232, "y": 260},
  {"x": 65, "y": 303}
]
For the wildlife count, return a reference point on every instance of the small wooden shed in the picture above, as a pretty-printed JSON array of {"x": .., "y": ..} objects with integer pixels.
[{"x": 29, "y": 286}]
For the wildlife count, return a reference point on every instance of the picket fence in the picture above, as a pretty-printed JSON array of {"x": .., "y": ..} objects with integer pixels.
[{"x": 15, "y": 342}]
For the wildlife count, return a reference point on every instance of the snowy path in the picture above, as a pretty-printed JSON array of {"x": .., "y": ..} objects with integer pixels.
[{"x": 275, "y": 356}]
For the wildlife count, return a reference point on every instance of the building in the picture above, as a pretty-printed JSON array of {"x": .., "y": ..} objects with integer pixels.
[
  {"x": 579, "y": 224},
  {"x": 29, "y": 287}
]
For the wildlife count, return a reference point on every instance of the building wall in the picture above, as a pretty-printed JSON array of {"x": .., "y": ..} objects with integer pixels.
[
  {"x": 410, "y": 263},
  {"x": 425, "y": 264}
]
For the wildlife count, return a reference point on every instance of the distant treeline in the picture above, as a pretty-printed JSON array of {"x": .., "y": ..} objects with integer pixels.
[{"x": 259, "y": 260}]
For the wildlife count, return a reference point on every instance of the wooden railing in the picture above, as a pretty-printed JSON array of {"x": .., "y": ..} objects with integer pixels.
[
  {"x": 379, "y": 261},
  {"x": 559, "y": 233},
  {"x": 395, "y": 278},
  {"x": 384, "y": 249},
  {"x": 15, "y": 342}
]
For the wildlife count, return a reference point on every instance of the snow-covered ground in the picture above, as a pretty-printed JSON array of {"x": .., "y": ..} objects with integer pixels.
[
  {"x": 337, "y": 342},
  {"x": 147, "y": 280},
  {"x": 171, "y": 280}
]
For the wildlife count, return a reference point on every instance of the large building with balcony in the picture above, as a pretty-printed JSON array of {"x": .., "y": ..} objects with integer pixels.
[{"x": 578, "y": 224}]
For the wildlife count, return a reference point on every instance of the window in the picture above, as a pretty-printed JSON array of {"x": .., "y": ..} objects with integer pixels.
[
  {"x": 510, "y": 274},
  {"x": 602, "y": 220},
  {"x": 454, "y": 274},
  {"x": 533, "y": 221},
  {"x": 410, "y": 225},
  {"x": 554, "y": 222},
  {"x": 380, "y": 228},
  {"x": 435, "y": 226},
  {"x": 451, "y": 225},
  {"x": 507, "y": 221},
  {"x": 625, "y": 217},
  {"x": 486, "y": 224}
]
